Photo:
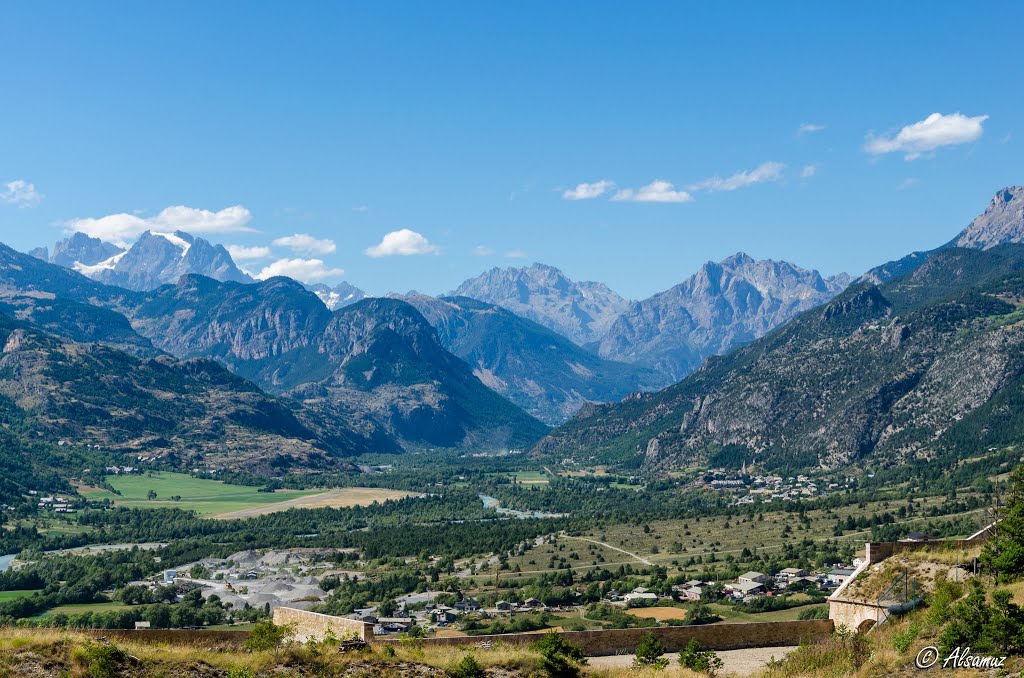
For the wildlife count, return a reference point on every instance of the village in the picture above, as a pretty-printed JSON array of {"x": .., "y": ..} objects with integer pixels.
[{"x": 755, "y": 488}]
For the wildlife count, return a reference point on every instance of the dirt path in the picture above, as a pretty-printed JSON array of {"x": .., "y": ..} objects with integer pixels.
[
  {"x": 609, "y": 546},
  {"x": 735, "y": 662},
  {"x": 338, "y": 498}
]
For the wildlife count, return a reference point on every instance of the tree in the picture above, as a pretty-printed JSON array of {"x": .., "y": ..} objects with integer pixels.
[
  {"x": 649, "y": 652},
  {"x": 151, "y": 495},
  {"x": 266, "y": 635},
  {"x": 1004, "y": 552}
]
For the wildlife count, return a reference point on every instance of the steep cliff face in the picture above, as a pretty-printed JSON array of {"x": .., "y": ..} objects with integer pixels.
[
  {"x": 191, "y": 412},
  {"x": 723, "y": 305},
  {"x": 580, "y": 311},
  {"x": 1001, "y": 223},
  {"x": 915, "y": 365}
]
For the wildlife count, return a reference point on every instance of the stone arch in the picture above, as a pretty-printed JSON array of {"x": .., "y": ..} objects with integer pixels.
[{"x": 865, "y": 626}]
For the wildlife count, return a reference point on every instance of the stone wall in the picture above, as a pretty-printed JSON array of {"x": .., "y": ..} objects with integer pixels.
[
  {"x": 624, "y": 641},
  {"x": 313, "y": 625}
]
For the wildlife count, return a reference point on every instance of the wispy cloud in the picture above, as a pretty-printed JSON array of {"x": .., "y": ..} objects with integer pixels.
[
  {"x": 403, "y": 242},
  {"x": 907, "y": 183},
  {"x": 360, "y": 208},
  {"x": 483, "y": 251},
  {"x": 808, "y": 171},
  {"x": 246, "y": 253},
  {"x": 808, "y": 128},
  {"x": 303, "y": 243},
  {"x": 933, "y": 132},
  {"x": 121, "y": 228},
  {"x": 303, "y": 270},
  {"x": 658, "y": 190},
  {"x": 588, "y": 191},
  {"x": 515, "y": 254},
  {"x": 768, "y": 171},
  {"x": 21, "y": 193}
]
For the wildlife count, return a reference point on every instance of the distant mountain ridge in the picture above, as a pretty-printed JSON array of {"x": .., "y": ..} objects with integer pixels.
[
  {"x": 723, "y": 305},
  {"x": 339, "y": 296},
  {"x": 154, "y": 259},
  {"x": 581, "y": 311},
  {"x": 538, "y": 369}
]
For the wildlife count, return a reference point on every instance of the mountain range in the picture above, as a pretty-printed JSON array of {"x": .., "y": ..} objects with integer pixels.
[
  {"x": 154, "y": 259},
  {"x": 926, "y": 361}
]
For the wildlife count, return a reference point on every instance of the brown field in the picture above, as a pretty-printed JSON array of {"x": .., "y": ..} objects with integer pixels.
[
  {"x": 659, "y": 613},
  {"x": 337, "y": 498}
]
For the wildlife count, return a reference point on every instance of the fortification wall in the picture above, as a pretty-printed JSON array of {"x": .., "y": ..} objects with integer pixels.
[
  {"x": 674, "y": 638},
  {"x": 316, "y": 626}
]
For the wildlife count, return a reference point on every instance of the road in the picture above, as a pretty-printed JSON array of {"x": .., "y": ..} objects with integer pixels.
[{"x": 609, "y": 546}]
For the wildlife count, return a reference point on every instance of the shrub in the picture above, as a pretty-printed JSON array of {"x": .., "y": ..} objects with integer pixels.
[
  {"x": 649, "y": 653},
  {"x": 903, "y": 639},
  {"x": 467, "y": 667},
  {"x": 558, "y": 657},
  {"x": 101, "y": 660},
  {"x": 266, "y": 635},
  {"x": 702, "y": 661}
]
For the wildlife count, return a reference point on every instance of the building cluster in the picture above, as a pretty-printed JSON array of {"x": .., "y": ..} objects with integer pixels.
[{"x": 753, "y": 488}]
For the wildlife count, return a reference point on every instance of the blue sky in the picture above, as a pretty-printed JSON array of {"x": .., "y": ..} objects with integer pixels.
[{"x": 459, "y": 128}]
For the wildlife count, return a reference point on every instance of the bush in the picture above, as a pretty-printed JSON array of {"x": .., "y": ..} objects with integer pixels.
[
  {"x": 558, "y": 657},
  {"x": 649, "y": 653},
  {"x": 101, "y": 660},
  {"x": 467, "y": 667},
  {"x": 702, "y": 661},
  {"x": 904, "y": 638},
  {"x": 814, "y": 613},
  {"x": 266, "y": 635}
]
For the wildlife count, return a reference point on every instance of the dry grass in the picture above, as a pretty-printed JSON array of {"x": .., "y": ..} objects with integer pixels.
[
  {"x": 659, "y": 613},
  {"x": 338, "y": 498}
]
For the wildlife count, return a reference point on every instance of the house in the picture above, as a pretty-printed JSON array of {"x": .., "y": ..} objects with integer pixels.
[
  {"x": 838, "y": 575},
  {"x": 916, "y": 536},
  {"x": 693, "y": 593},
  {"x": 503, "y": 606},
  {"x": 752, "y": 578},
  {"x": 743, "y": 589},
  {"x": 386, "y": 625},
  {"x": 443, "y": 617},
  {"x": 635, "y": 596},
  {"x": 141, "y": 625},
  {"x": 533, "y": 604},
  {"x": 467, "y": 605},
  {"x": 792, "y": 572}
]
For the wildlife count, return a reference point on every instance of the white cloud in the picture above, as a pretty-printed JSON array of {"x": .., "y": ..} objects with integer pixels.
[
  {"x": 303, "y": 270},
  {"x": 907, "y": 183},
  {"x": 808, "y": 128},
  {"x": 21, "y": 193},
  {"x": 808, "y": 171},
  {"x": 403, "y": 242},
  {"x": 245, "y": 253},
  {"x": 515, "y": 254},
  {"x": 121, "y": 228},
  {"x": 587, "y": 191},
  {"x": 483, "y": 251},
  {"x": 658, "y": 190},
  {"x": 768, "y": 171},
  {"x": 929, "y": 134},
  {"x": 303, "y": 243},
  {"x": 360, "y": 208}
]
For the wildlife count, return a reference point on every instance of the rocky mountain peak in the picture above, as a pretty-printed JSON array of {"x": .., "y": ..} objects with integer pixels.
[
  {"x": 83, "y": 250},
  {"x": 580, "y": 311},
  {"x": 1001, "y": 223}
]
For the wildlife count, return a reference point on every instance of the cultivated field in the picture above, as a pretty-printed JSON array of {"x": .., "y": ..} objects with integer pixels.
[
  {"x": 216, "y": 499},
  {"x": 659, "y": 613}
]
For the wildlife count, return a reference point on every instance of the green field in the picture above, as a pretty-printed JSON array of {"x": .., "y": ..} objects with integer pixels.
[
  {"x": 85, "y": 607},
  {"x": 526, "y": 477},
  {"x": 14, "y": 595},
  {"x": 206, "y": 497}
]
